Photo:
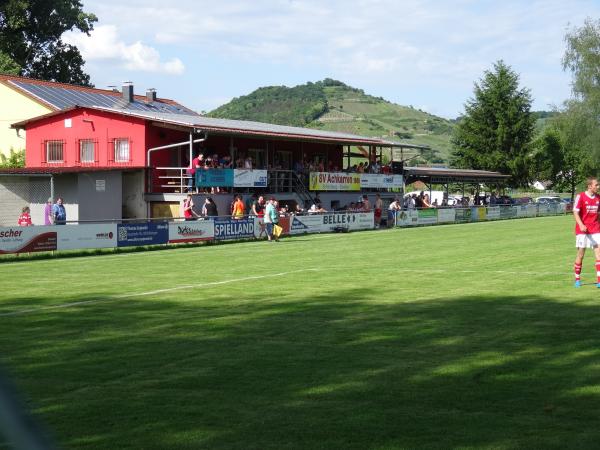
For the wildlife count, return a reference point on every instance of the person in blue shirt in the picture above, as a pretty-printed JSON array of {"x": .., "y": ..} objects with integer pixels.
[{"x": 59, "y": 213}]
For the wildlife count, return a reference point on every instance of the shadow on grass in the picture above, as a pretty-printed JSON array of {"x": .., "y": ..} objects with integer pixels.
[{"x": 333, "y": 371}]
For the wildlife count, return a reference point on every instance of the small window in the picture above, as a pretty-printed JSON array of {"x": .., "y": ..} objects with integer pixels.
[
  {"x": 54, "y": 151},
  {"x": 86, "y": 151},
  {"x": 121, "y": 150}
]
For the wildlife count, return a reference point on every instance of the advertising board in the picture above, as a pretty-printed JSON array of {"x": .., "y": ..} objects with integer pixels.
[
  {"x": 191, "y": 231},
  {"x": 28, "y": 239},
  {"x": 407, "y": 218},
  {"x": 214, "y": 177},
  {"x": 427, "y": 216},
  {"x": 492, "y": 213},
  {"x": 334, "y": 181},
  {"x": 462, "y": 215},
  {"x": 508, "y": 212},
  {"x": 375, "y": 180},
  {"x": 148, "y": 233},
  {"x": 249, "y": 178},
  {"x": 446, "y": 215},
  {"x": 231, "y": 229},
  {"x": 94, "y": 235}
]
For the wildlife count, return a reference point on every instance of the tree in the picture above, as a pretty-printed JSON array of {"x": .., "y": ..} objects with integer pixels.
[
  {"x": 563, "y": 154},
  {"x": 582, "y": 59},
  {"x": 15, "y": 159},
  {"x": 496, "y": 129},
  {"x": 30, "y": 39}
]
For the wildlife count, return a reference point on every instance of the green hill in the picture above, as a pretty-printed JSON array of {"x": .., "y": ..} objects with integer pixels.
[{"x": 334, "y": 106}]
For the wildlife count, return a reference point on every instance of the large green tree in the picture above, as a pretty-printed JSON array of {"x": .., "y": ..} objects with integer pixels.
[
  {"x": 582, "y": 58},
  {"x": 562, "y": 152},
  {"x": 30, "y": 39},
  {"x": 496, "y": 130}
]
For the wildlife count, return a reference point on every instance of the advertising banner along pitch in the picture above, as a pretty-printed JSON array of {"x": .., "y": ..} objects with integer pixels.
[
  {"x": 191, "y": 231},
  {"x": 149, "y": 233},
  {"x": 27, "y": 239}
]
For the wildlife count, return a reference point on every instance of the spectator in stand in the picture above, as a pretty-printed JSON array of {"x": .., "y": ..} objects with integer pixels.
[
  {"x": 493, "y": 199},
  {"x": 59, "y": 213},
  {"x": 48, "y": 217},
  {"x": 188, "y": 208},
  {"x": 393, "y": 210},
  {"x": 248, "y": 163},
  {"x": 360, "y": 168},
  {"x": 366, "y": 204},
  {"x": 386, "y": 169},
  {"x": 239, "y": 162},
  {"x": 378, "y": 209},
  {"x": 418, "y": 200},
  {"x": 238, "y": 208},
  {"x": 410, "y": 202},
  {"x": 25, "y": 217},
  {"x": 330, "y": 167},
  {"x": 317, "y": 208},
  {"x": 209, "y": 209},
  {"x": 298, "y": 210},
  {"x": 435, "y": 203},
  {"x": 426, "y": 201}
]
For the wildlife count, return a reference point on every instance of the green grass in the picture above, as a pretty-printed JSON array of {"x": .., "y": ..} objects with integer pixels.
[{"x": 462, "y": 336}]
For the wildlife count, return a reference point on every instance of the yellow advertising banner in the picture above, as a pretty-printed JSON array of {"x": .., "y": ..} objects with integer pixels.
[{"x": 334, "y": 181}]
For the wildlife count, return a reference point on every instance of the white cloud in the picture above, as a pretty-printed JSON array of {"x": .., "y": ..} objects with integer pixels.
[{"x": 104, "y": 44}]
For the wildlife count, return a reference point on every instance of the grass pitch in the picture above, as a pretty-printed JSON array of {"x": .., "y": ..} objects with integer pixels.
[{"x": 461, "y": 336}]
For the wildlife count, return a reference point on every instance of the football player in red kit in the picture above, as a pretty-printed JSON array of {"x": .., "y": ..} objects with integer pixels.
[{"x": 587, "y": 227}]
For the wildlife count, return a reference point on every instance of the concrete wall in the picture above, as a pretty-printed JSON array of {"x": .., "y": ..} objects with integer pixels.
[
  {"x": 100, "y": 195},
  {"x": 15, "y": 107}
]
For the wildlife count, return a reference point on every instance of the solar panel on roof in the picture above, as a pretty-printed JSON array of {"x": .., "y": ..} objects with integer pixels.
[{"x": 63, "y": 98}]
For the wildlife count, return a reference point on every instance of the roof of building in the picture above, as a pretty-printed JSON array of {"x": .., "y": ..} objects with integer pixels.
[
  {"x": 57, "y": 96},
  {"x": 232, "y": 127},
  {"x": 446, "y": 175}
]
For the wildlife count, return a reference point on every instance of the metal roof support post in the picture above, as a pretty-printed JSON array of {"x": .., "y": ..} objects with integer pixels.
[
  {"x": 52, "y": 187},
  {"x": 191, "y": 148}
]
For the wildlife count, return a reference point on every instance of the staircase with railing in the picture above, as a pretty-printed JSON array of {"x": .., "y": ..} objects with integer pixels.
[{"x": 282, "y": 181}]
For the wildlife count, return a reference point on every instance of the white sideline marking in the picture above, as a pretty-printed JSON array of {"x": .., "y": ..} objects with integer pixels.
[{"x": 157, "y": 291}]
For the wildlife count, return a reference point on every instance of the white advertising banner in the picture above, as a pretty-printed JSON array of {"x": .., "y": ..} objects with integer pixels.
[
  {"x": 28, "y": 239},
  {"x": 446, "y": 215},
  {"x": 306, "y": 224},
  {"x": 407, "y": 218},
  {"x": 249, "y": 178},
  {"x": 93, "y": 235},
  {"x": 191, "y": 231},
  {"x": 322, "y": 223},
  {"x": 493, "y": 213},
  {"x": 375, "y": 180}
]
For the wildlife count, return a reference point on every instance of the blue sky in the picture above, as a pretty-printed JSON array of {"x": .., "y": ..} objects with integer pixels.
[{"x": 424, "y": 53}]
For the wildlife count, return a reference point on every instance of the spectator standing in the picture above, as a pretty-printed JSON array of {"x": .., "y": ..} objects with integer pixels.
[
  {"x": 238, "y": 208},
  {"x": 25, "y": 218},
  {"x": 188, "y": 208},
  {"x": 210, "y": 208},
  {"x": 366, "y": 204},
  {"x": 59, "y": 212},
  {"x": 48, "y": 217},
  {"x": 377, "y": 211},
  {"x": 587, "y": 227},
  {"x": 258, "y": 207},
  {"x": 270, "y": 214},
  {"x": 393, "y": 210}
]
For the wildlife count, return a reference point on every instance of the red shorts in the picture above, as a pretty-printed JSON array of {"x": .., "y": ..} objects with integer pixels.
[{"x": 377, "y": 213}]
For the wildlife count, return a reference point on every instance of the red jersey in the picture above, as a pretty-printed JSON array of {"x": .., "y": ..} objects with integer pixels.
[
  {"x": 24, "y": 220},
  {"x": 587, "y": 208}
]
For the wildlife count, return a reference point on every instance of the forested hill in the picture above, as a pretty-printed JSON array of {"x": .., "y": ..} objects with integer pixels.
[{"x": 332, "y": 105}]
